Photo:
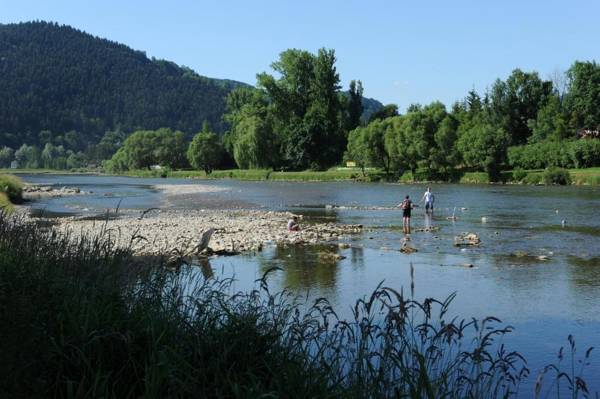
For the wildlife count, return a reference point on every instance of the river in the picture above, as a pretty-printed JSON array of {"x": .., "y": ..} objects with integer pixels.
[{"x": 537, "y": 268}]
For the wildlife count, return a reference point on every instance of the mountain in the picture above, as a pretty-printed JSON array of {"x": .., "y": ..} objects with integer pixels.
[
  {"x": 370, "y": 106},
  {"x": 58, "y": 79}
]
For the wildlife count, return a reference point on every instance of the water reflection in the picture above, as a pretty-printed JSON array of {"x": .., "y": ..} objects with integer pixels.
[
  {"x": 305, "y": 267},
  {"x": 205, "y": 267}
]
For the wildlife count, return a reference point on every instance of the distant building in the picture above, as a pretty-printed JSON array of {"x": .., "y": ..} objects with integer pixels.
[{"x": 350, "y": 164}]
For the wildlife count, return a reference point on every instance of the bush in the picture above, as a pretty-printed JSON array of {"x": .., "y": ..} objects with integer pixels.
[
  {"x": 585, "y": 153},
  {"x": 407, "y": 177},
  {"x": 12, "y": 186},
  {"x": 557, "y": 176},
  {"x": 519, "y": 175},
  {"x": 533, "y": 178},
  {"x": 540, "y": 155}
]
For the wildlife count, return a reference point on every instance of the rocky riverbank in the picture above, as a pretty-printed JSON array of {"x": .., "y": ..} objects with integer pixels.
[
  {"x": 180, "y": 231},
  {"x": 34, "y": 192}
]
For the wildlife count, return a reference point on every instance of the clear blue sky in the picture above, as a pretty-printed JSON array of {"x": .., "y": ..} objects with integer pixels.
[{"x": 403, "y": 51}]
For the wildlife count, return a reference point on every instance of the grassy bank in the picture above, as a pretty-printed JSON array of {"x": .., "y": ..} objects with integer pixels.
[
  {"x": 86, "y": 319},
  {"x": 333, "y": 174},
  {"x": 11, "y": 192},
  {"x": 588, "y": 176}
]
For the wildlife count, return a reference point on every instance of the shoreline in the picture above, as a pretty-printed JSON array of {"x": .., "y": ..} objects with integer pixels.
[{"x": 579, "y": 177}]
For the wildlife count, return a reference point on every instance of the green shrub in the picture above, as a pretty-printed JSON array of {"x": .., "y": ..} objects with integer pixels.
[
  {"x": 533, "y": 178},
  {"x": 585, "y": 153},
  {"x": 475, "y": 178},
  {"x": 518, "y": 175},
  {"x": 407, "y": 177},
  {"x": 540, "y": 155},
  {"x": 12, "y": 186},
  {"x": 556, "y": 176}
]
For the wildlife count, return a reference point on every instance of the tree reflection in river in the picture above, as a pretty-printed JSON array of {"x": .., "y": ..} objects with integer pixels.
[{"x": 309, "y": 267}]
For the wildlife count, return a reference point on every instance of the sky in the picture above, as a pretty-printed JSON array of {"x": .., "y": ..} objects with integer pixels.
[{"x": 404, "y": 52}]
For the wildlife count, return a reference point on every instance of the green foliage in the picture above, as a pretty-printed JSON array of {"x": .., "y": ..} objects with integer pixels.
[
  {"x": 7, "y": 155},
  {"x": 145, "y": 148},
  {"x": 91, "y": 85},
  {"x": 516, "y": 102},
  {"x": 366, "y": 146},
  {"x": 550, "y": 122},
  {"x": 102, "y": 324},
  {"x": 292, "y": 121},
  {"x": 557, "y": 176},
  {"x": 28, "y": 156},
  {"x": 533, "y": 178},
  {"x": 354, "y": 106},
  {"x": 205, "y": 151},
  {"x": 540, "y": 155},
  {"x": 484, "y": 146},
  {"x": 387, "y": 111},
  {"x": 12, "y": 186},
  {"x": 585, "y": 153},
  {"x": 583, "y": 97},
  {"x": 255, "y": 145},
  {"x": 519, "y": 175},
  {"x": 475, "y": 178}
]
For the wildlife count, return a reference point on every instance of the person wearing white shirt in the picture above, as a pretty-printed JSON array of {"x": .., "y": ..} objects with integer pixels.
[{"x": 429, "y": 199}]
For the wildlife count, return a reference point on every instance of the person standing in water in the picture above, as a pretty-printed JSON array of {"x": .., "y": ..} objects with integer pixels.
[
  {"x": 406, "y": 206},
  {"x": 428, "y": 198}
]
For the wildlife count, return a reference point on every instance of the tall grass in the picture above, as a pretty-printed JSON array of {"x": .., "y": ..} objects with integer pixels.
[
  {"x": 82, "y": 318},
  {"x": 5, "y": 204},
  {"x": 12, "y": 186}
]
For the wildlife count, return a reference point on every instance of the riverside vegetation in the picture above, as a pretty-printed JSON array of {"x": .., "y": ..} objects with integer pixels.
[
  {"x": 84, "y": 318},
  {"x": 296, "y": 118},
  {"x": 11, "y": 192}
]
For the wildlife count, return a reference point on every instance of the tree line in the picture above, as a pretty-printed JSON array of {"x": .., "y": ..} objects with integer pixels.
[
  {"x": 524, "y": 122},
  {"x": 298, "y": 117}
]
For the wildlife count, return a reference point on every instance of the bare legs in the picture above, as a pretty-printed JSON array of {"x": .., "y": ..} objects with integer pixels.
[{"x": 406, "y": 225}]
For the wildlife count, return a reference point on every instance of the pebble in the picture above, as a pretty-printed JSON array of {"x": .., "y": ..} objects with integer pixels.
[{"x": 235, "y": 231}]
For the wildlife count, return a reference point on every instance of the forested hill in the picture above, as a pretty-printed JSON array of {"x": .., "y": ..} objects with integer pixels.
[{"x": 58, "y": 79}]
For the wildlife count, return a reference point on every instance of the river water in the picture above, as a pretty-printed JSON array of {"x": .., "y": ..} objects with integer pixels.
[{"x": 545, "y": 300}]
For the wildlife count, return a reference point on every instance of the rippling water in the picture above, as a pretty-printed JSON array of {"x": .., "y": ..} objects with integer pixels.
[{"x": 544, "y": 299}]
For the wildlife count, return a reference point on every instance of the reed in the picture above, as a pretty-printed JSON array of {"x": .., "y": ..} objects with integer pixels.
[{"x": 83, "y": 318}]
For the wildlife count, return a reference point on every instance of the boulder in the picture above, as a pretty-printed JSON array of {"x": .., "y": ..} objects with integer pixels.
[{"x": 467, "y": 239}]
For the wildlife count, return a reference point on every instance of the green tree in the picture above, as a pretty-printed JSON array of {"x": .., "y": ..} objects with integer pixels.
[
  {"x": 354, "y": 105},
  {"x": 7, "y": 155},
  {"x": 205, "y": 151},
  {"x": 366, "y": 146},
  {"x": 388, "y": 111},
  {"x": 254, "y": 146},
  {"x": 28, "y": 156},
  {"x": 550, "y": 122},
  {"x": 484, "y": 147},
  {"x": 145, "y": 148},
  {"x": 583, "y": 97},
  {"x": 514, "y": 103},
  {"x": 445, "y": 156}
]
